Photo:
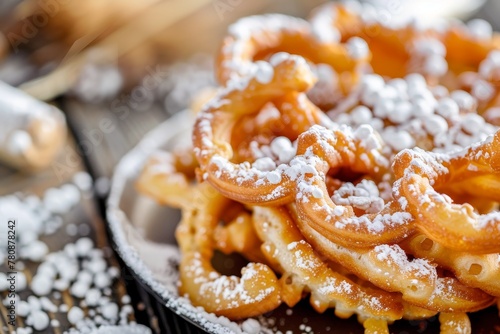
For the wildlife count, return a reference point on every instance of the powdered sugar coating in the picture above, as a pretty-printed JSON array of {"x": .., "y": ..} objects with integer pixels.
[
  {"x": 396, "y": 254},
  {"x": 364, "y": 195},
  {"x": 430, "y": 53}
]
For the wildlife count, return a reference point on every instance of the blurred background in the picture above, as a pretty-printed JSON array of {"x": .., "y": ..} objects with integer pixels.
[
  {"x": 42, "y": 36},
  {"x": 105, "y": 72},
  {"x": 134, "y": 63}
]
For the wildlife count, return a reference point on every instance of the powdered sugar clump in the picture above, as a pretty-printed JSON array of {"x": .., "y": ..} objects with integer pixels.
[
  {"x": 322, "y": 26},
  {"x": 364, "y": 195},
  {"x": 407, "y": 114}
]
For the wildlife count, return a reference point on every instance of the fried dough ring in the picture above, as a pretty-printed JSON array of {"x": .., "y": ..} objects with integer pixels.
[
  {"x": 348, "y": 22},
  {"x": 387, "y": 267},
  {"x": 455, "y": 226},
  {"x": 339, "y": 223},
  {"x": 239, "y": 236},
  {"x": 277, "y": 119},
  {"x": 303, "y": 178},
  {"x": 256, "y": 292},
  {"x": 166, "y": 177},
  {"x": 465, "y": 52},
  {"x": 256, "y": 37},
  {"x": 284, "y": 244},
  {"x": 213, "y": 126},
  {"x": 477, "y": 271}
]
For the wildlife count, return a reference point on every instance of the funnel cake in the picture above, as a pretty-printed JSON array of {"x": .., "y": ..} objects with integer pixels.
[{"x": 351, "y": 159}]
